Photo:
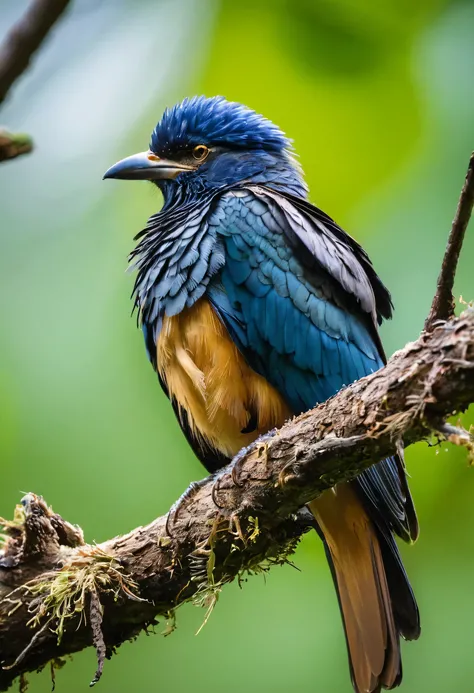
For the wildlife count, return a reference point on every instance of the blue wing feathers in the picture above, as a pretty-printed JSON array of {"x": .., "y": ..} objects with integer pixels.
[
  {"x": 239, "y": 271},
  {"x": 237, "y": 251},
  {"x": 307, "y": 345},
  {"x": 254, "y": 286},
  {"x": 176, "y": 304},
  {"x": 291, "y": 324},
  {"x": 287, "y": 317}
]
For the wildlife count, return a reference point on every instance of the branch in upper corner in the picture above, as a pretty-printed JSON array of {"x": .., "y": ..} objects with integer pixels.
[
  {"x": 16, "y": 51},
  {"x": 24, "y": 39},
  {"x": 442, "y": 307},
  {"x": 14, "y": 144}
]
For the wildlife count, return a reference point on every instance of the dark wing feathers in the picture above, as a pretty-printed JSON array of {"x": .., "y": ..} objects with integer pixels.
[
  {"x": 387, "y": 499},
  {"x": 405, "y": 609},
  {"x": 351, "y": 263}
]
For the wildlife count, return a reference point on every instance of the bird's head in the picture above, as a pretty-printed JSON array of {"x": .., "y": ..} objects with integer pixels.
[{"x": 212, "y": 142}]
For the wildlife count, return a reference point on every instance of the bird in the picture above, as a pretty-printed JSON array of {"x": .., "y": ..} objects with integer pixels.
[{"x": 255, "y": 307}]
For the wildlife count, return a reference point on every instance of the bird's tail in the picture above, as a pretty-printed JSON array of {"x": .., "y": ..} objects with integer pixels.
[{"x": 375, "y": 597}]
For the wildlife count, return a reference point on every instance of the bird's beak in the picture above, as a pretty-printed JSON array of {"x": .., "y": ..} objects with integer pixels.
[{"x": 146, "y": 166}]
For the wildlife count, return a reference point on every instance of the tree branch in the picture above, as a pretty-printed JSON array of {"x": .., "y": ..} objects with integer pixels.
[
  {"x": 61, "y": 595},
  {"x": 443, "y": 304},
  {"x": 16, "y": 52},
  {"x": 24, "y": 39}
]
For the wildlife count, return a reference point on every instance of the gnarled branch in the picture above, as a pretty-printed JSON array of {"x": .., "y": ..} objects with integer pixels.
[
  {"x": 48, "y": 573},
  {"x": 59, "y": 595}
]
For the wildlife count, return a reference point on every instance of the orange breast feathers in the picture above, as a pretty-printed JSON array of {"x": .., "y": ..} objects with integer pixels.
[{"x": 209, "y": 379}]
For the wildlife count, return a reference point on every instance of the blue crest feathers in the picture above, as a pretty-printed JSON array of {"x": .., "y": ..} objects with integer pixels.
[{"x": 216, "y": 121}]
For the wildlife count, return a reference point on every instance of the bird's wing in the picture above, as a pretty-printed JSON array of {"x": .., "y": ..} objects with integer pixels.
[
  {"x": 320, "y": 241},
  {"x": 300, "y": 303}
]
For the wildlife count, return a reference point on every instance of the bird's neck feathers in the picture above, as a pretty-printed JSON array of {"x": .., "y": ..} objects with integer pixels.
[
  {"x": 233, "y": 169},
  {"x": 179, "y": 251}
]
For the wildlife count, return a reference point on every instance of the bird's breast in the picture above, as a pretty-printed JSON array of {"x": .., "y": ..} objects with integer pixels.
[{"x": 226, "y": 402}]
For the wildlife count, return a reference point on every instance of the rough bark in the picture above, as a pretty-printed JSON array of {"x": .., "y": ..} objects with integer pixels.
[{"x": 240, "y": 521}]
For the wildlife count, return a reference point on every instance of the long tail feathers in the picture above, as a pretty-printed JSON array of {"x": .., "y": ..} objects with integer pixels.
[
  {"x": 375, "y": 598},
  {"x": 405, "y": 608}
]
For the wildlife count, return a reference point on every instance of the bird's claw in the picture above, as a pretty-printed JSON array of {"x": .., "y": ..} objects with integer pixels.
[
  {"x": 190, "y": 492},
  {"x": 284, "y": 477},
  {"x": 234, "y": 473},
  {"x": 215, "y": 491}
]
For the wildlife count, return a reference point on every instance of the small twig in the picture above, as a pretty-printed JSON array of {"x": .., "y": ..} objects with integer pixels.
[
  {"x": 23, "y": 687},
  {"x": 24, "y": 39},
  {"x": 442, "y": 307},
  {"x": 14, "y": 144},
  {"x": 34, "y": 640},
  {"x": 458, "y": 436},
  {"x": 52, "y": 674},
  {"x": 448, "y": 430}
]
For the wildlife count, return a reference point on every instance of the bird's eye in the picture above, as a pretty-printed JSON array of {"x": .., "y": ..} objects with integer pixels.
[{"x": 200, "y": 152}]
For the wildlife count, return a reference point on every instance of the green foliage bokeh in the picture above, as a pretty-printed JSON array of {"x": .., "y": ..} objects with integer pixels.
[{"x": 378, "y": 98}]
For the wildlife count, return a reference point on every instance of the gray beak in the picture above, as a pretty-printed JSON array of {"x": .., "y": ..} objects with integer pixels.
[{"x": 146, "y": 166}]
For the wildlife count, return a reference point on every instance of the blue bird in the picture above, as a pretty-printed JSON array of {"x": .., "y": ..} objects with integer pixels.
[{"x": 256, "y": 306}]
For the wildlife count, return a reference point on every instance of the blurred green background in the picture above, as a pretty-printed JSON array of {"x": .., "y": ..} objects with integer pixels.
[{"x": 379, "y": 98}]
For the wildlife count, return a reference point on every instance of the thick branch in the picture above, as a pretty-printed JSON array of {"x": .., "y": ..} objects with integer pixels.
[
  {"x": 24, "y": 39},
  {"x": 48, "y": 573},
  {"x": 443, "y": 304}
]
